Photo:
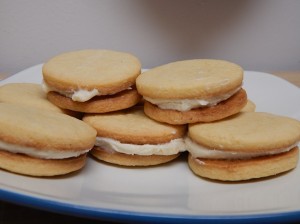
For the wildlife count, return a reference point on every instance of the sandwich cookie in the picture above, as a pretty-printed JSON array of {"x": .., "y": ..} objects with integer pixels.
[
  {"x": 92, "y": 81},
  {"x": 32, "y": 95},
  {"x": 130, "y": 138},
  {"x": 200, "y": 90},
  {"x": 244, "y": 146},
  {"x": 37, "y": 142}
]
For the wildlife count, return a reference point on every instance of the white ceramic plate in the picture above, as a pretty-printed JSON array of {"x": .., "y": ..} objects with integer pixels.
[{"x": 169, "y": 193}]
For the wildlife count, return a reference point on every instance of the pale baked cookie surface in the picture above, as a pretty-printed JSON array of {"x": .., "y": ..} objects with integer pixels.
[
  {"x": 29, "y": 94},
  {"x": 250, "y": 132},
  {"x": 132, "y": 126},
  {"x": 104, "y": 70},
  {"x": 199, "y": 78}
]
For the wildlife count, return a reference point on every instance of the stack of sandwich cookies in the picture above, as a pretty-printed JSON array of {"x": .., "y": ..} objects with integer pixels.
[
  {"x": 130, "y": 138},
  {"x": 37, "y": 142},
  {"x": 244, "y": 146},
  {"x": 92, "y": 81},
  {"x": 32, "y": 95},
  {"x": 191, "y": 91}
]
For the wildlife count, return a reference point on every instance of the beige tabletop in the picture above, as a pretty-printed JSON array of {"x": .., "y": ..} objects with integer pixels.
[
  {"x": 3, "y": 76},
  {"x": 292, "y": 76}
]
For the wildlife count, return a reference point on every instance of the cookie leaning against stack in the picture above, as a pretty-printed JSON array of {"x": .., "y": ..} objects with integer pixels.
[
  {"x": 32, "y": 95},
  {"x": 245, "y": 146},
  {"x": 92, "y": 81},
  {"x": 130, "y": 138},
  {"x": 41, "y": 143},
  {"x": 200, "y": 90}
]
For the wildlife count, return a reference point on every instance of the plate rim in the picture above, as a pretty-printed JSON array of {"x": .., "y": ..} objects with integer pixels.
[{"x": 98, "y": 213}]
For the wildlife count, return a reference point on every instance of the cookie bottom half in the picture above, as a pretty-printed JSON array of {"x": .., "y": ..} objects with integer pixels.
[
  {"x": 131, "y": 160},
  {"x": 222, "y": 110},
  {"x": 26, "y": 165},
  {"x": 238, "y": 170},
  {"x": 98, "y": 104}
]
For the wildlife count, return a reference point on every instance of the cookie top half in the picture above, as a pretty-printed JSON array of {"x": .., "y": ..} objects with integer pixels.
[
  {"x": 247, "y": 132},
  {"x": 105, "y": 70},
  {"x": 198, "y": 78},
  {"x": 36, "y": 128},
  {"x": 133, "y": 126},
  {"x": 30, "y": 94}
]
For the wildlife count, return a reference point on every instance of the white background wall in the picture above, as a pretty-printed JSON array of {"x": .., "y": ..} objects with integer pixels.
[{"x": 261, "y": 35}]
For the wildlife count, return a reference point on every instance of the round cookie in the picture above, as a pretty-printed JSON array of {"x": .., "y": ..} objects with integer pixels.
[
  {"x": 42, "y": 143},
  {"x": 30, "y": 94},
  {"x": 244, "y": 146},
  {"x": 130, "y": 138},
  {"x": 83, "y": 75},
  {"x": 184, "y": 90}
]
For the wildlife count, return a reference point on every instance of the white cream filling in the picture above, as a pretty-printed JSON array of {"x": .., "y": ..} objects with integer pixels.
[
  {"x": 188, "y": 104},
  {"x": 173, "y": 147},
  {"x": 43, "y": 154},
  {"x": 199, "y": 151},
  {"x": 81, "y": 95}
]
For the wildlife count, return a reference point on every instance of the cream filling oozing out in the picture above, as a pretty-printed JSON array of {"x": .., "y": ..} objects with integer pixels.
[
  {"x": 110, "y": 145},
  {"x": 42, "y": 154},
  {"x": 80, "y": 95},
  {"x": 188, "y": 104},
  {"x": 198, "y": 151}
]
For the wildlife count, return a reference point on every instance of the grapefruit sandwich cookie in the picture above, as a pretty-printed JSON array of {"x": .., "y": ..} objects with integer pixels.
[
  {"x": 92, "y": 81},
  {"x": 130, "y": 138},
  {"x": 244, "y": 146},
  {"x": 200, "y": 90},
  {"x": 36, "y": 142}
]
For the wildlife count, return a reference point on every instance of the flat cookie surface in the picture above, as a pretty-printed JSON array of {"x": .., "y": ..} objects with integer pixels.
[
  {"x": 104, "y": 70},
  {"x": 40, "y": 129},
  {"x": 247, "y": 132},
  {"x": 199, "y": 78},
  {"x": 224, "y": 109},
  {"x": 29, "y": 94},
  {"x": 133, "y": 126}
]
